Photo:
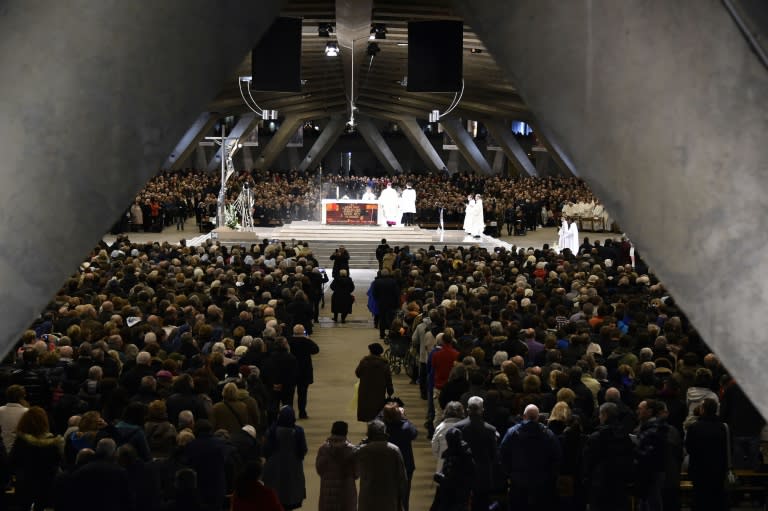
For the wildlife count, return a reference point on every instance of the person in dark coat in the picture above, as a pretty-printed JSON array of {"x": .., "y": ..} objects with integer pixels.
[
  {"x": 706, "y": 445},
  {"x": 650, "y": 454},
  {"x": 530, "y": 454},
  {"x": 317, "y": 280},
  {"x": 335, "y": 464},
  {"x": 96, "y": 483},
  {"x": 340, "y": 258},
  {"x": 342, "y": 298},
  {"x": 35, "y": 459},
  {"x": 279, "y": 376},
  {"x": 185, "y": 398},
  {"x": 375, "y": 383},
  {"x": 481, "y": 439},
  {"x": 144, "y": 482},
  {"x": 386, "y": 292},
  {"x": 402, "y": 433},
  {"x": 608, "y": 463},
  {"x": 300, "y": 311},
  {"x": 285, "y": 449},
  {"x": 206, "y": 456},
  {"x": 457, "y": 474},
  {"x": 302, "y": 347}
]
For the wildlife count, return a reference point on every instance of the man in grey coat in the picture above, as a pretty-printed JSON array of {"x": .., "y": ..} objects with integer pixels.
[{"x": 383, "y": 482}]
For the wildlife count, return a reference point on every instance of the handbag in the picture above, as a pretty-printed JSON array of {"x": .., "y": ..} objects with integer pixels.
[{"x": 731, "y": 480}]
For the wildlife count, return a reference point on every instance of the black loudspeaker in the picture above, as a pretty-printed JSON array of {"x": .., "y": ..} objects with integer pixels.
[
  {"x": 435, "y": 56},
  {"x": 276, "y": 60}
]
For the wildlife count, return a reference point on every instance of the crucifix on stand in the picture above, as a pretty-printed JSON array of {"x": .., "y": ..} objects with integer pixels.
[{"x": 228, "y": 147}]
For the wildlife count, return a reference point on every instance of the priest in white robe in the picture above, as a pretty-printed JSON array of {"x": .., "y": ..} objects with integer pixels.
[
  {"x": 478, "y": 218},
  {"x": 389, "y": 204},
  {"x": 408, "y": 204},
  {"x": 468, "y": 212},
  {"x": 573, "y": 237},
  {"x": 562, "y": 235}
]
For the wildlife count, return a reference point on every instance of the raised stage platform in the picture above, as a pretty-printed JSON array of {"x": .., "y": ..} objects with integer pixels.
[{"x": 359, "y": 240}]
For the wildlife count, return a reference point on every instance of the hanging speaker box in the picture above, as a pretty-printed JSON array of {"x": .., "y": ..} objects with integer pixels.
[
  {"x": 435, "y": 56},
  {"x": 276, "y": 59}
]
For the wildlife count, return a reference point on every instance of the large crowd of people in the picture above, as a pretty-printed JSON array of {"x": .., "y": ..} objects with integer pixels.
[
  {"x": 164, "y": 377},
  {"x": 282, "y": 197}
]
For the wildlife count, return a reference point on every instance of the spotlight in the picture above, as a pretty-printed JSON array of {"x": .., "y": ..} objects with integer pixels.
[
  {"x": 324, "y": 29},
  {"x": 373, "y": 49},
  {"x": 331, "y": 50},
  {"x": 379, "y": 31}
]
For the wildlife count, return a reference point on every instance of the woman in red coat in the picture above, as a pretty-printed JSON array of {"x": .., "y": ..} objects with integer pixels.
[{"x": 251, "y": 494}]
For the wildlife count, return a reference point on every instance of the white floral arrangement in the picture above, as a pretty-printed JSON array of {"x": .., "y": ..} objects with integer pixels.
[{"x": 231, "y": 218}]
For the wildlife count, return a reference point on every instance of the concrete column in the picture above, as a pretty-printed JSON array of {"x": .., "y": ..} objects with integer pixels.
[
  {"x": 276, "y": 145},
  {"x": 664, "y": 100},
  {"x": 421, "y": 143},
  {"x": 244, "y": 126},
  {"x": 511, "y": 147},
  {"x": 294, "y": 158},
  {"x": 379, "y": 146},
  {"x": 454, "y": 158},
  {"x": 466, "y": 145},
  {"x": 93, "y": 95},
  {"x": 327, "y": 138},
  {"x": 201, "y": 160},
  {"x": 188, "y": 143},
  {"x": 499, "y": 161},
  {"x": 247, "y": 157}
]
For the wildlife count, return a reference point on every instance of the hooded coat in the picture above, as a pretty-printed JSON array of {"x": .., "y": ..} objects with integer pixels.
[{"x": 35, "y": 462}]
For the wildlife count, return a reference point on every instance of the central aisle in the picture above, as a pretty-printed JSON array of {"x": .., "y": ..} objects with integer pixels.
[{"x": 341, "y": 348}]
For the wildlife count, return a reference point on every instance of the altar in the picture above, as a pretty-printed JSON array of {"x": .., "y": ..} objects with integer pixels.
[{"x": 349, "y": 212}]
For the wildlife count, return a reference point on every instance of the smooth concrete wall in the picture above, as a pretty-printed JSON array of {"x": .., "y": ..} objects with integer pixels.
[
  {"x": 93, "y": 96},
  {"x": 661, "y": 107}
]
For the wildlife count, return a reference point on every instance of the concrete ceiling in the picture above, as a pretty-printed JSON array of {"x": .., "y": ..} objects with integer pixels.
[{"x": 378, "y": 87}]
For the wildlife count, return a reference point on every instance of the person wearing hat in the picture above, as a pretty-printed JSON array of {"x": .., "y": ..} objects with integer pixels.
[
  {"x": 375, "y": 383},
  {"x": 335, "y": 464}
]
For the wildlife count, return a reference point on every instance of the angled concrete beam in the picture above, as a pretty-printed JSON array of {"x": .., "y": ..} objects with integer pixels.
[
  {"x": 679, "y": 115},
  {"x": 421, "y": 143},
  {"x": 555, "y": 151},
  {"x": 379, "y": 146},
  {"x": 276, "y": 145},
  {"x": 324, "y": 142},
  {"x": 86, "y": 123},
  {"x": 188, "y": 143},
  {"x": 511, "y": 147},
  {"x": 244, "y": 126},
  {"x": 466, "y": 145}
]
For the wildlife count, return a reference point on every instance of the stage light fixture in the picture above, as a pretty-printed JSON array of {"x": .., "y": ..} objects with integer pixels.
[
  {"x": 379, "y": 31},
  {"x": 373, "y": 49},
  {"x": 331, "y": 50},
  {"x": 324, "y": 29}
]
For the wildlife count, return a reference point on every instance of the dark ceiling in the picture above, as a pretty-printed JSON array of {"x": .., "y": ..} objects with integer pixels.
[{"x": 378, "y": 89}]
